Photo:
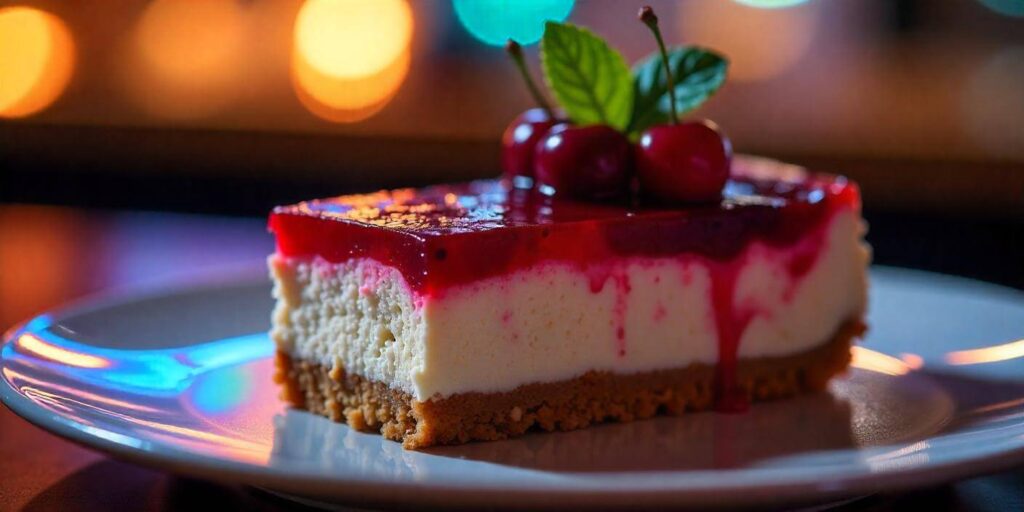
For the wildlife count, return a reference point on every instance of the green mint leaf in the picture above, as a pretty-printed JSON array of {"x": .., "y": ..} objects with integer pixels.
[
  {"x": 590, "y": 80},
  {"x": 697, "y": 74}
]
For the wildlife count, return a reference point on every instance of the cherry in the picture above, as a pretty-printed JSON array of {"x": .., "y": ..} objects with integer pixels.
[
  {"x": 520, "y": 139},
  {"x": 681, "y": 162},
  {"x": 684, "y": 162},
  {"x": 586, "y": 162}
]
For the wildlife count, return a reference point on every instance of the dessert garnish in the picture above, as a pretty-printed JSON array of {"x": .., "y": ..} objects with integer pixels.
[
  {"x": 681, "y": 161},
  {"x": 591, "y": 154}
]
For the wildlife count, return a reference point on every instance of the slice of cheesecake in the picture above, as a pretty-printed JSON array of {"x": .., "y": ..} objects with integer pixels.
[{"x": 479, "y": 311}]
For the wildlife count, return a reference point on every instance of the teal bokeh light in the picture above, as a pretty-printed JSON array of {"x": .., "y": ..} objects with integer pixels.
[
  {"x": 497, "y": 21},
  {"x": 1013, "y": 8}
]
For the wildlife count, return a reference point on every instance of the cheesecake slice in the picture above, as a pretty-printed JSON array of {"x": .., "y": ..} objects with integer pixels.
[{"x": 480, "y": 311}]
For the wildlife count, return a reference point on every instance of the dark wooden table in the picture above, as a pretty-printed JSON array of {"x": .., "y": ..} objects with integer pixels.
[{"x": 50, "y": 255}]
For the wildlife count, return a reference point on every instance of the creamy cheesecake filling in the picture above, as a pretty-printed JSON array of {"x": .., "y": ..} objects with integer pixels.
[
  {"x": 556, "y": 321},
  {"x": 358, "y": 314}
]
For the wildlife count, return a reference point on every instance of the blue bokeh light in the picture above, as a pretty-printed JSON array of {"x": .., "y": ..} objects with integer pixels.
[{"x": 496, "y": 21}]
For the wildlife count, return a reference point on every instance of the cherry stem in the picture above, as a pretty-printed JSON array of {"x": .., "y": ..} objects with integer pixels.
[
  {"x": 648, "y": 18},
  {"x": 516, "y": 52}
]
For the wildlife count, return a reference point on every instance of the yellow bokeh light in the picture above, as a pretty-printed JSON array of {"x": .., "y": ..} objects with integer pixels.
[
  {"x": 350, "y": 56},
  {"x": 347, "y": 100},
  {"x": 37, "y": 58},
  {"x": 760, "y": 43},
  {"x": 188, "y": 56},
  {"x": 353, "y": 38}
]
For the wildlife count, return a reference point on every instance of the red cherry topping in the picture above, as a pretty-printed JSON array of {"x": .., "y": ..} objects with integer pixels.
[
  {"x": 520, "y": 139},
  {"x": 586, "y": 162},
  {"x": 684, "y": 162}
]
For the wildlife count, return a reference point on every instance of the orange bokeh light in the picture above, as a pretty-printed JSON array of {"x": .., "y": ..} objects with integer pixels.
[
  {"x": 188, "y": 57},
  {"x": 347, "y": 100},
  {"x": 37, "y": 56},
  {"x": 760, "y": 43},
  {"x": 350, "y": 56}
]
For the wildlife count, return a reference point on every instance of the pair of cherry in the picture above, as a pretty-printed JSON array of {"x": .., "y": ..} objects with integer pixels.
[
  {"x": 684, "y": 162},
  {"x": 676, "y": 162}
]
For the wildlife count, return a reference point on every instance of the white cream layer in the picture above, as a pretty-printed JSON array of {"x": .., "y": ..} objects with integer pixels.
[{"x": 547, "y": 324}]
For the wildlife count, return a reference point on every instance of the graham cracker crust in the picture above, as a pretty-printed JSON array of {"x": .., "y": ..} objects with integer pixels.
[{"x": 594, "y": 397}]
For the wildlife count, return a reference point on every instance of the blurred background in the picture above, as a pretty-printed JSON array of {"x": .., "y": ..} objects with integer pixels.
[{"x": 121, "y": 121}]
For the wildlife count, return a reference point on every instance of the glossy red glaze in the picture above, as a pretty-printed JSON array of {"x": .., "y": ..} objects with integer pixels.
[
  {"x": 448, "y": 235},
  {"x": 588, "y": 162},
  {"x": 519, "y": 141},
  {"x": 686, "y": 162}
]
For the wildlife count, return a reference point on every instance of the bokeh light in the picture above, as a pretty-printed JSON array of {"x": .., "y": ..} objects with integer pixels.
[
  {"x": 189, "y": 57},
  {"x": 345, "y": 67},
  {"x": 496, "y": 21},
  {"x": 352, "y": 38},
  {"x": 761, "y": 43},
  {"x": 1013, "y": 8},
  {"x": 770, "y": 4},
  {"x": 37, "y": 57},
  {"x": 347, "y": 100}
]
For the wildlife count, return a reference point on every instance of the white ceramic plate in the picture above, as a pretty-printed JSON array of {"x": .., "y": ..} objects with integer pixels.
[{"x": 180, "y": 379}]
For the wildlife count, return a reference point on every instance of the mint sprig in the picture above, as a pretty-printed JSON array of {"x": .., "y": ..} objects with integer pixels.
[
  {"x": 590, "y": 80},
  {"x": 697, "y": 73},
  {"x": 593, "y": 84}
]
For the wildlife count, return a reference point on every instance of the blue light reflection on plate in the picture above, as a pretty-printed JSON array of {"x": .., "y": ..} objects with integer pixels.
[
  {"x": 223, "y": 391},
  {"x": 211, "y": 407},
  {"x": 152, "y": 372},
  {"x": 148, "y": 389}
]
